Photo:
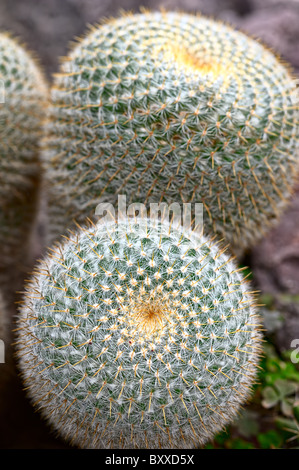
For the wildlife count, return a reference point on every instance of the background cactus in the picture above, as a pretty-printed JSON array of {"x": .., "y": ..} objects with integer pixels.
[
  {"x": 21, "y": 115},
  {"x": 138, "y": 335},
  {"x": 173, "y": 107}
]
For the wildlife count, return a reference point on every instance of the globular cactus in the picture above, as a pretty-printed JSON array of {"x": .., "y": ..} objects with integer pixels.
[
  {"x": 173, "y": 107},
  {"x": 137, "y": 334},
  {"x": 24, "y": 98}
]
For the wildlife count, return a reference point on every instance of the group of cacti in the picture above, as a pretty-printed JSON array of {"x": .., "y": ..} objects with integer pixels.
[{"x": 139, "y": 333}]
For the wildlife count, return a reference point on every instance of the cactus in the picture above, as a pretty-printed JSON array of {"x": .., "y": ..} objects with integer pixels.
[
  {"x": 173, "y": 107},
  {"x": 138, "y": 334},
  {"x": 22, "y": 110}
]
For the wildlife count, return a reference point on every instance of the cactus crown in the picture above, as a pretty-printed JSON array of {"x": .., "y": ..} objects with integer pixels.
[
  {"x": 173, "y": 107},
  {"x": 138, "y": 335}
]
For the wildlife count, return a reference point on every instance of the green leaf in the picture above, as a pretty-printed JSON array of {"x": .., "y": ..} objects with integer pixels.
[
  {"x": 248, "y": 424},
  {"x": 296, "y": 410},
  {"x": 289, "y": 425},
  {"x": 285, "y": 387},
  {"x": 241, "y": 444},
  {"x": 270, "y": 397},
  {"x": 269, "y": 440},
  {"x": 287, "y": 408}
]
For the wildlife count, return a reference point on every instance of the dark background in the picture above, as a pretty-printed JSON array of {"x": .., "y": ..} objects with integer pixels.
[{"x": 48, "y": 27}]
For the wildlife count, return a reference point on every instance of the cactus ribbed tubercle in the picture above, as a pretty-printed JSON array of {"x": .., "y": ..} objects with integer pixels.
[
  {"x": 137, "y": 334},
  {"x": 23, "y": 96},
  {"x": 173, "y": 107}
]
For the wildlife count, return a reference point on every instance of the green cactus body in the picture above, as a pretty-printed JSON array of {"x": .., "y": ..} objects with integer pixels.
[
  {"x": 137, "y": 335},
  {"x": 173, "y": 107},
  {"x": 22, "y": 110}
]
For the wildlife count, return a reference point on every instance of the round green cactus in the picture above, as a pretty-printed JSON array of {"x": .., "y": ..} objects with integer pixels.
[
  {"x": 173, "y": 107},
  {"x": 136, "y": 334},
  {"x": 23, "y": 99}
]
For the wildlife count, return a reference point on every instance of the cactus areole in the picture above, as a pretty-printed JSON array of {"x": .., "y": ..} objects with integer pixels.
[
  {"x": 137, "y": 335},
  {"x": 173, "y": 107}
]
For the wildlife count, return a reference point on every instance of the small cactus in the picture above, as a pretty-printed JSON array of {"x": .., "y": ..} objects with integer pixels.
[
  {"x": 22, "y": 111},
  {"x": 137, "y": 334},
  {"x": 173, "y": 107}
]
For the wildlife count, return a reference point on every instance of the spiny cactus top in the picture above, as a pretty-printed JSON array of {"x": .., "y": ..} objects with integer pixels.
[
  {"x": 23, "y": 98},
  {"x": 138, "y": 335},
  {"x": 173, "y": 107}
]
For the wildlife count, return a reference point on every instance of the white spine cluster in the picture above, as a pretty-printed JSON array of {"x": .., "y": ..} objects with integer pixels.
[{"x": 135, "y": 335}]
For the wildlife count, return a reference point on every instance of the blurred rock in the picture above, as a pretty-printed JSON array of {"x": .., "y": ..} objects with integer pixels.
[
  {"x": 275, "y": 264},
  {"x": 278, "y": 28}
]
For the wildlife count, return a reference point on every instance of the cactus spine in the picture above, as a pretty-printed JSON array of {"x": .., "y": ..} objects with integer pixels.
[
  {"x": 22, "y": 110},
  {"x": 173, "y": 107},
  {"x": 136, "y": 334}
]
